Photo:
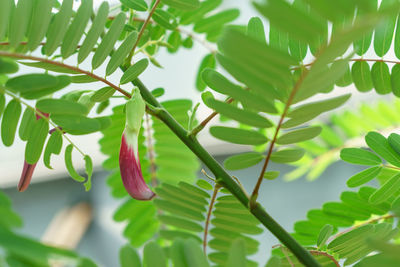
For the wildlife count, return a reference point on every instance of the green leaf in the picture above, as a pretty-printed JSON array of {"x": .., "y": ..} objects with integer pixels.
[
  {"x": 54, "y": 145},
  {"x": 58, "y": 27},
  {"x": 174, "y": 40},
  {"x": 384, "y": 32},
  {"x": 216, "y": 21},
  {"x": 237, "y": 254},
  {"x": 195, "y": 15},
  {"x": 76, "y": 29},
  {"x": 27, "y": 122},
  {"x": 153, "y": 255},
  {"x": 32, "y": 86},
  {"x": 238, "y": 136},
  {"x": 183, "y": 4},
  {"x": 89, "y": 172},
  {"x": 271, "y": 175},
  {"x": 220, "y": 84},
  {"x": 381, "y": 78},
  {"x": 39, "y": 23},
  {"x": 103, "y": 94},
  {"x": 255, "y": 29},
  {"x": 387, "y": 190},
  {"x": 395, "y": 79},
  {"x": 49, "y": 67},
  {"x": 68, "y": 163},
  {"x": 278, "y": 39},
  {"x": 93, "y": 35},
  {"x": 61, "y": 106},
  {"x": 363, "y": 177},
  {"x": 242, "y": 161},
  {"x": 128, "y": 256},
  {"x": 10, "y": 121},
  {"x": 244, "y": 116},
  {"x": 2, "y": 103},
  {"x": 19, "y": 22},
  {"x": 180, "y": 223},
  {"x": 287, "y": 155},
  {"x": 119, "y": 55},
  {"x": 8, "y": 66},
  {"x": 362, "y": 45},
  {"x": 207, "y": 62},
  {"x": 194, "y": 255},
  {"x": 83, "y": 79},
  {"x": 138, "y": 5},
  {"x": 324, "y": 234},
  {"x": 86, "y": 262},
  {"x": 362, "y": 77},
  {"x": 76, "y": 124},
  {"x": 108, "y": 41},
  {"x": 352, "y": 236},
  {"x": 6, "y": 7},
  {"x": 346, "y": 79},
  {"x": 134, "y": 71},
  {"x": 204, "y": 184},
  {"x": 380, "y": 145},
  {"x": 312, "y": 110},
  {"x": 298, "y": 23},
  {"x": 299, "y": 135},
  {"x": 359, "y": 156},
  {"x": 165, "y": 19},
  {"x": 36, "y": 140},
  {"x": 394, "y": 141}
]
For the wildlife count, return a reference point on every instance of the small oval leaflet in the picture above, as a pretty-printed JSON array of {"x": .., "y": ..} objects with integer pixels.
[
  {"x": 243, "y": 161},
  {"x": 363, "y": 177},
  {"x": 238, "y": 136},
  {"x": 134, "y": 71},
  {"x": 359, "y": 156}
]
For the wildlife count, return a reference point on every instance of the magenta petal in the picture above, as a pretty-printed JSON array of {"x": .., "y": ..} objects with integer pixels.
[
  {"x": 131, "y": 172},
  {"x": 26, "y": 176}
]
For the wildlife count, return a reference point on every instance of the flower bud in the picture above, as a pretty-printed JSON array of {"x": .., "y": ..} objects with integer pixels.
[{"x": 129, "y": 163}]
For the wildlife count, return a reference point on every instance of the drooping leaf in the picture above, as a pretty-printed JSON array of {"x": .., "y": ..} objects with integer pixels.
[
  {"x": 103, "y": 94},
  {"x": 387, "y": 190},
  {"x": 242, "y": 161},
  {"x": 237, "y": 254},
  {"x": 238, "y": 136},
  {"x": 36, "y": 140},
  {"x": 287, "y": 155},
  {"x": 108, "y": 41},
  {"x": 8, "y": 66},
  {"x": 119, "y": 55},
  {"x": 363, "y": 177},
  {"x": 271, "y": 175},
  {"x": 207, "y": 62},
  {"x": 361, "y": 75},
  {"x": 129, "y": 257},
  {"x": 9, "y": 122},
  {"x": 89, "y": 172},
  {"x": 134, "y": 71},
  {"x": 359, "y": 156},
  {"x": 5, "y": 13},
  {"x": 384, "y": 32},
  {"x": 150, "y": 250},
  {"x": 96, "y": 29},
  {"x": 41, "y": 15},
  {"x": 138, "y": 5},
  {"x": 61, "y": 106},
  {"x": 68, "y": 163},
  {"x": 255, "y": 29},
  {"x": 58, "y": 27},
  {"x": 244, "y": 116},
  {"x": 324, "y": 234},
  {"x": 76, "y": 124},
  {"x": 395, "y": 79},
  {"x": 299, "y": 135},
  {"x": 183, "y": 4},
  {"x": 381, "y": 78},
  {"x": 19, "y": 22},
  {"x": 219, "y": 83},
  {"x": 394, "y": 141},
  {"x": 380, "y": 145},
  {"x": 28, "y": 119},
  {"x": 54, "y": 145},
  {"x": 76, "y": 28}
]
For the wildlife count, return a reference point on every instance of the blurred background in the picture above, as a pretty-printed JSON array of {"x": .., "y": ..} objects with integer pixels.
[{"x": 52, "y": 192}]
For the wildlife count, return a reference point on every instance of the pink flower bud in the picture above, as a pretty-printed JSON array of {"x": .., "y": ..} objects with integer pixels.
[
  {"x": 131, "y": 171},
  {"x": 28, "y": 169},
  {"x": 129, "y": 163}
]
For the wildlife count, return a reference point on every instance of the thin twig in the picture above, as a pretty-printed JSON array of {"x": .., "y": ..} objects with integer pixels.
[
  {"x": 271, "y": 146},
  {"x": 317, "y": 252},
  {"x": 153, "y": 9},
  {"x": 207, "y": 223},
  {"x": 59, "y": 64}
]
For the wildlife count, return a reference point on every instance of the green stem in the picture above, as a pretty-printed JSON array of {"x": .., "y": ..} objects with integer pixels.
[{"x": 191, "y": 142}]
